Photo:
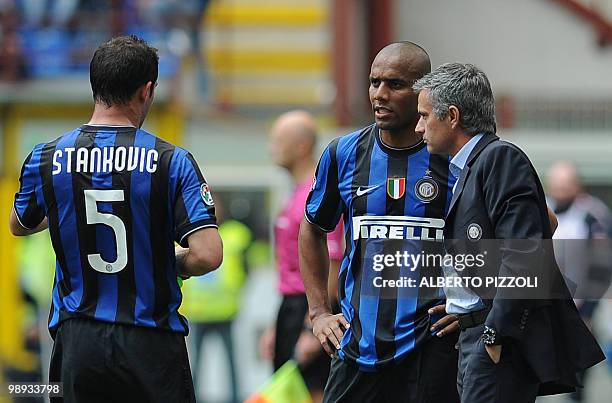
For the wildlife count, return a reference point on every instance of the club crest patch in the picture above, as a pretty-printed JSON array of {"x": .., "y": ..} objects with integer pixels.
[
  {"x": 474, "y": 232},
  {"x": 206, "y": 195},
  {"x": 426, "y": 188},
  {"x": 396, "y": 187}
]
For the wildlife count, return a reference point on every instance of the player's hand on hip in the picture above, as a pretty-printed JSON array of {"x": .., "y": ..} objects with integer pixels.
[
  {"x": 329, "y": 329},
  {"x": 447, "y": 324}
]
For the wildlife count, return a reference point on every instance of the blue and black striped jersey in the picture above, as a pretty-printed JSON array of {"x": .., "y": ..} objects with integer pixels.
[
  {"x": 116, "y": 199},
  {"x": 392, "y": 201}
]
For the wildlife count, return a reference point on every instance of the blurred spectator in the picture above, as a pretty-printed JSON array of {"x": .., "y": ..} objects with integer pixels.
[
  {"x": 36, "y": 263},
  {"x": 43, "y": 13},
  {"x": 36, "y": 273},
  {"x": 292, "y": 145},
  {"x": 51, "y": 38},
  {"x": 211, "y": 303},
  {"x": 584, "y": 228},
  {"x": 12, "y": 59},
  {"x": 181, "y": 19},
  {"x": 31, "y": 371},
  {"x": 582, "y": 217}
]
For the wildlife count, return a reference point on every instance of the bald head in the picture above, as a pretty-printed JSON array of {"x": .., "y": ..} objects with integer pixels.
[
  {"x": 411, "y": 56},
  {"x": 394, "y": 103},
  {"x": 293, "y": 138},
  {"x": 563, "y": 182}
]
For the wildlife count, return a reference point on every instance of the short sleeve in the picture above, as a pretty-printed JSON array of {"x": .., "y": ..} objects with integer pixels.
[
  {"x": 324, "y": 204},
  {"x": 29, "y": 208},
  {"x": 194, "y": 208}
]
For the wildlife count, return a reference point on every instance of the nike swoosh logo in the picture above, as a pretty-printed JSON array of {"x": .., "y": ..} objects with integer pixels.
[{"x": 361, "y": 191}]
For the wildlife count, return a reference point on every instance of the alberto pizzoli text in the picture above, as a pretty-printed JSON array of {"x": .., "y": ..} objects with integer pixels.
[{"x": 457, "y": 282}]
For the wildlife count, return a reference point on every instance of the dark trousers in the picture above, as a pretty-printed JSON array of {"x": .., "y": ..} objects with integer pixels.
[
  {"x": 224, "y": 331},
  {"x": 289, "y": 326},
  {"x": 480, "y": 380},
  {"x": 112, "y": 363},
  {"x": 426, "y": 375}
]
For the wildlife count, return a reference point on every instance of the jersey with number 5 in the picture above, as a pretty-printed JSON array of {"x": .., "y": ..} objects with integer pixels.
[{"x": 116, "y": 199}]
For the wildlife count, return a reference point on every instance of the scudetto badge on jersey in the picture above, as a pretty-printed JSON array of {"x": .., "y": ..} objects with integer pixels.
[
  {"x": 396, "y": 187},
  {"x": 206, "y": 195},
  {"x": 474, "y": 232},
  {"x": 426, "y": 188}
]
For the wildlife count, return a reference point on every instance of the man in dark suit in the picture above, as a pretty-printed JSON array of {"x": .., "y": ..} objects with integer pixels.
[{"x": 513, "y": 345}]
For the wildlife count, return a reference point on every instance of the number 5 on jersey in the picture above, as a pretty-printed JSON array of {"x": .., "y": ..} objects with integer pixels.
[{"x": 92, "y": 197}]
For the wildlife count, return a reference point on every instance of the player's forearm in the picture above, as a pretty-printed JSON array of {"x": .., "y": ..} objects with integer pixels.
[
  {"x": 187, "y": 265},
  {"x": 19, "y": 230},
  {"x": 181, "y": 256},
  {"x": 332, "y": 282},
  {"x": 314, "y": 266},
  {"x": 204, "y": 254}
]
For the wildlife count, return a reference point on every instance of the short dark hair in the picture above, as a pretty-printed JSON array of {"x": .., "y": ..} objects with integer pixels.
[
  {"x": 466, "y": 87},
  {"x": 119, "y": 67}
]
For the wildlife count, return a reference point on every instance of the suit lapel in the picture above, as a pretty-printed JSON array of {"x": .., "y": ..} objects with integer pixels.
[
  {"x": 459, "y": 188},
  {"x": 481, "y": 145}
]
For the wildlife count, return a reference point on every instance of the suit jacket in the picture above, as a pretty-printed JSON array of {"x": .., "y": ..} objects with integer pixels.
[{"x": 499, "y": 196}]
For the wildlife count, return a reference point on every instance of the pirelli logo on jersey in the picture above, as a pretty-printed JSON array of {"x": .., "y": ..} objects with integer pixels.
[{"x": 398, "y": 227}]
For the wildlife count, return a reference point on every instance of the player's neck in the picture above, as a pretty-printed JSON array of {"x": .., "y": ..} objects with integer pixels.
[
  {"x": 115, "y": 115},
  {"x": 302, "y": 171},
  {"x": 403, "y": 139}
]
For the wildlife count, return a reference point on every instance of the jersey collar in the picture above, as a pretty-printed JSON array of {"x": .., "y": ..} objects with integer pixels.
[{"x": 396, "y": 151}]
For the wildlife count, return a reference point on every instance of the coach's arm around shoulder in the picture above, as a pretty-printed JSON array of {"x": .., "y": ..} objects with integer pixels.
[
  {"x": 18, "y": 229},
  {"x": 204, "y": 254},
  {"x": 314, "y": 265}
]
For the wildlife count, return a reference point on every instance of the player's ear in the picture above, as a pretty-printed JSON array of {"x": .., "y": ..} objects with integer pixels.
[
  {"x": 146, "y": 90},
  {"x": 454, "y": 115}
]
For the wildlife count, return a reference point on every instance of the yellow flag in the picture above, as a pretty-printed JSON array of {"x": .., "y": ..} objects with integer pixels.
[{"x": 285, "y": 386}]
